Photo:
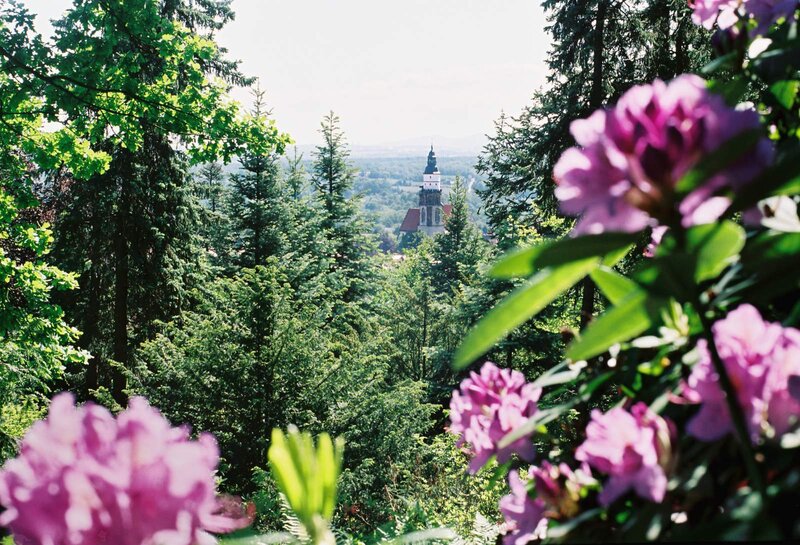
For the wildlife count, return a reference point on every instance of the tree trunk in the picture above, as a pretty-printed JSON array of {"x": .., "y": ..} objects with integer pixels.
[
  {"x": 91, "y": 322},
  {"x": 121, "y": 274},
  {"x": 595, "y": 101}
]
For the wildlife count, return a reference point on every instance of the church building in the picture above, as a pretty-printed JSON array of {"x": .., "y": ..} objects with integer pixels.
[{"x": 429, "y": 217}]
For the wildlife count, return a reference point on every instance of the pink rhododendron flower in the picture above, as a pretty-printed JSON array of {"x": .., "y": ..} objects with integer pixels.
[
  {"x": 623, "y": 175},
  {"x": 655, "y": 240},
  {"x": 634, "y": 448},
  {"x": 724, "y": 12},
  {"x": 559, "y": 488},
  {"x": 524, "y": 516},
  {"x": 86, "y": 478},
  {"x": 488, "y": 406},
  {"x": 761, "y": 358},
  {"x": 766, "y": 12},
  {"x": 708, "y": 12}
]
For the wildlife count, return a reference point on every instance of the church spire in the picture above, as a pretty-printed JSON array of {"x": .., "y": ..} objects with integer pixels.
[{"x": 432, "y": 168}]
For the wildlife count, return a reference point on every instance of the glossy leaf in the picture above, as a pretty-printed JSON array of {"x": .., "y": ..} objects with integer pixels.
[
  {"x": 785, "y": 92},
  {"x": 631, "y": 317},
  {"x": 612, "y": 284},
  {"x": 716, "y": 246},
  {"x": 525, "y": 262},
  {"x": 518, "y": 307}
]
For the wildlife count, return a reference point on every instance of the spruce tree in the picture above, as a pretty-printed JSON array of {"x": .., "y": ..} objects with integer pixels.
[
  {"x": 140, "y": 268},
  {"x": 258, "y": 208},
  {"x": 347, "y": 231},
  {"x": 215, "y": 224},
  {"x": 460, "y": 248},
  {"x": 600, "y": 49}
]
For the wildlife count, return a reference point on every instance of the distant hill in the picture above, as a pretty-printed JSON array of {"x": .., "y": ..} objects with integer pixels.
[{"x": 414, "y": 147}]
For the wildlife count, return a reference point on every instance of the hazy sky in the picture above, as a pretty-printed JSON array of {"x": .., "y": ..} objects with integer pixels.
[{"x": 391, "y": 69}]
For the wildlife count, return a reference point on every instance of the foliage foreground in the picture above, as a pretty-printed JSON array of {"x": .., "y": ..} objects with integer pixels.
[{"x": 674, "y": 415}]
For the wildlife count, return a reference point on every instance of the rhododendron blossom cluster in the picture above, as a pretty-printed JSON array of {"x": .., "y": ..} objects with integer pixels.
[
  {"x": 761, "y": 358},
  {"x": 725, "y": 13},
  {"x": 86, "y": 478},
  {"x": 489, "y": 405},
  {"x": 560, "y": 488},
  {"x": 623, "y": 176},
  {"x": 524, "y": 515},
  {"x": 634, "y": 448}
]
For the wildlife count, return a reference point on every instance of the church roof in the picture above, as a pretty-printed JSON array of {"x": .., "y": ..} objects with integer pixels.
[
  {"x": 431, "y": 168},
  {"x": 411, "y": 221}
]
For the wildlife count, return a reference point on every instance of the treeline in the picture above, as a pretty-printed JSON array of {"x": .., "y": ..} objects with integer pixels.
[
  {"x": 261, "y": 301},
  {"x": 408, "y": 168}
]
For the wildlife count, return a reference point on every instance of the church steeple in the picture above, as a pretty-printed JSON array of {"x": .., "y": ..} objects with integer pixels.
[
  {"x": 431, "y": 168},
  {"x": 429, "y": 217}
]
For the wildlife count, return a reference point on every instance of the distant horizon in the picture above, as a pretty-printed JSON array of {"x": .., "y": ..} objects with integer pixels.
[{"x": 393, "y": 72}]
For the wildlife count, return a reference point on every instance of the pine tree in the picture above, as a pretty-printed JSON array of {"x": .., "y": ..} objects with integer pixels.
[
  {"x": 258, "y": 208},
  {"x": 296, "y": 177},
  {"x": 600, "y": 49},
  {"x": 144, "y": 253},
  {"x": 346, "y": 230},
  {"x": 460, "y": 248},
  {"x": 215, "y": 224}
]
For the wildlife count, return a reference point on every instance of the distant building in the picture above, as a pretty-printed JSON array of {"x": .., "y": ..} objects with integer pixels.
[{"x": 429, "y": 217}]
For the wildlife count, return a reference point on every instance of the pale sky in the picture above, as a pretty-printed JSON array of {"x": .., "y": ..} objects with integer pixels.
[{"x": 393, "y": 70}]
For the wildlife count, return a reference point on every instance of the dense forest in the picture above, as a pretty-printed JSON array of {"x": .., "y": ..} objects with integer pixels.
[{"x": 158, "y": 241}]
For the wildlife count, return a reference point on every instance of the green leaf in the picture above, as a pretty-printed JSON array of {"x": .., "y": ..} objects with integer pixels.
[
  {"x": 613, "y": 285},
  {"x": 718, "y": 160},
  {"x": 707, "y": 251},
  {"x": 518, "y": 307},
  {"x": 716, "y": 246},
  {"x": 631, "y": 317},
  {"x": 785, "y": 92},
  {"x": 555, "y": 376},
  {"x": 307, "y": 476},
  {"x": 526, "y": 261},
  {"x": 724, "y": 61},
  {"x": 731, "y": 91},
  {"x": 286, "y": 475},
  {"x": 562, "y": 530},
  {"x": 767, "y": 257}
]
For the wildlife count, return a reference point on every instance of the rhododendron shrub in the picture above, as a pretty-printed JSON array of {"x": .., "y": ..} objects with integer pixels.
[
  {"x": 726, "y": 13},
  {"x": 524, "y": 515},
  {"x": 760, "y": 357},
  {"x": 489, "y": 405},
  {"x": 84, "y": 477},
  {"x": 623, "y": 175},
  {"x": 681, "y": 400},
  {"x": 634, "y": 448}
]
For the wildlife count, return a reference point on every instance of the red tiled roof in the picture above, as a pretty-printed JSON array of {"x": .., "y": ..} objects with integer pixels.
[{"x": 411, "y": 221}]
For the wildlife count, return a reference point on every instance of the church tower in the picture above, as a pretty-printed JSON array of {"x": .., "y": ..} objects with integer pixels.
[{"x": 430, "y": 216}]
